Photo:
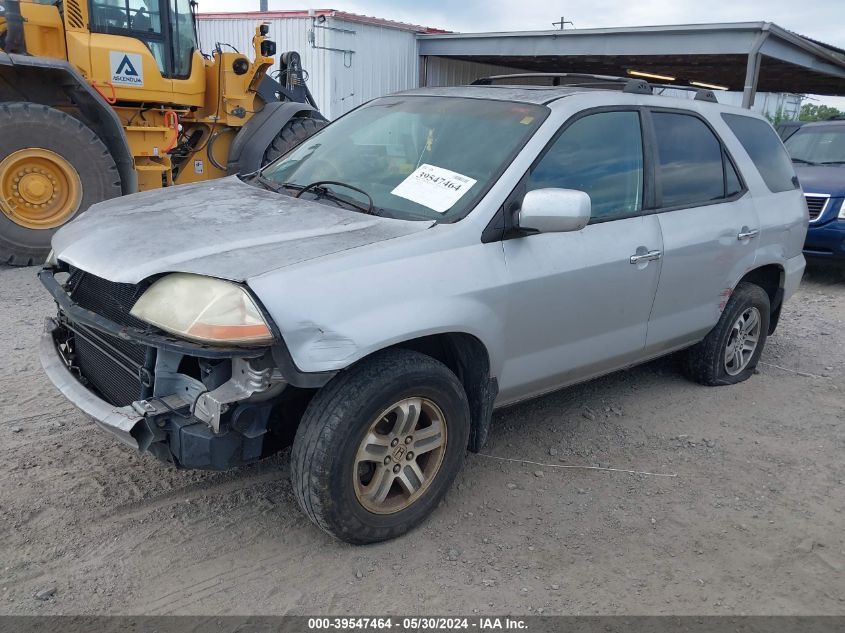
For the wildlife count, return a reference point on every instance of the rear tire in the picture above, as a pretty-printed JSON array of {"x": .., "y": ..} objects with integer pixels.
[
  {"x": 69, "y": 168},
  {"x": 292, "y": 134},
  {"x": 726, "y": 356},
  {"x": 369, "y": 462}
]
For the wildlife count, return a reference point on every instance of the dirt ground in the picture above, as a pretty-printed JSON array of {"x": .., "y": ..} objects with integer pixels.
[{"x": 752, "y": 523}]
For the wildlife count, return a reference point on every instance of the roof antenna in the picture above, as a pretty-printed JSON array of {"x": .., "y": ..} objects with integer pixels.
[{"x": 562, "y": 24}]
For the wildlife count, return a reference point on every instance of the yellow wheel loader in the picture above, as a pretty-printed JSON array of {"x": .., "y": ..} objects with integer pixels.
[{"x": 102, "y": 98}]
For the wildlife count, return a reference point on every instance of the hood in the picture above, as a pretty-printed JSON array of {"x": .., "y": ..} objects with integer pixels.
[
  {"x": 829, "y": 179},
  {"x": 222, "y": 228}
]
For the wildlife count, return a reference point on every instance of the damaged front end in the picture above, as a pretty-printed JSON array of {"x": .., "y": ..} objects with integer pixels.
[{"x": 191, "y": 404}]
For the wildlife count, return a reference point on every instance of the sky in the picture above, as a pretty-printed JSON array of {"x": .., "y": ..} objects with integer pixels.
[{"x": 822, "y": 20}]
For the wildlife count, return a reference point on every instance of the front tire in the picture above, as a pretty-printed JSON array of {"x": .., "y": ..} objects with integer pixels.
[
  {"x": 379, "y": 446},
  {"x": 730, "y": 352},
  {"x": 292, "y": 134},
  {"x": 52, "y": 167}
]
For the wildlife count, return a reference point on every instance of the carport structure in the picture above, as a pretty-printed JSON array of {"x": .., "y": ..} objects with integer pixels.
[{"x": 744, "y": 56}]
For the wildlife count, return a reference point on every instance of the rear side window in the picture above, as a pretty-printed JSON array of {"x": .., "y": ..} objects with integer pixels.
[
  {"x": 766, "y": 151},
  {"x": 691, "y": 165}
]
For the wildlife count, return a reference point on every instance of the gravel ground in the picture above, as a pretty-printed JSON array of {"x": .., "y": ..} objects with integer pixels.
[{"x": 752, "y": 523}]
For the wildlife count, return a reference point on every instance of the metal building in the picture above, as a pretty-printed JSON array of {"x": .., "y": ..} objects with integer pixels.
[
  {"x": 742, "y": 56},
  {"x": 353, "y": 58},
  {"x": 349, "y": 58}
]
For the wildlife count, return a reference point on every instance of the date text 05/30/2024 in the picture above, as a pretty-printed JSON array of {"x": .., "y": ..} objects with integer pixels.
[{"x": 416, "y": 624}]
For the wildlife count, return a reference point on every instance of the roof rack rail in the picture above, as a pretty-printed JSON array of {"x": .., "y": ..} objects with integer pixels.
[
  {"x": 584, "y": 80},
  {"x": 557, "y": 79},
  {"x": 705, "y": 95},
  {"x": 638, "y": 87}
]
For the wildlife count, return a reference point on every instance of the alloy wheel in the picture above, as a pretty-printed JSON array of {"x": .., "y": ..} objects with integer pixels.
[
  {"x": 742, "y": 341},
  {"x": 400, "y": 455}
]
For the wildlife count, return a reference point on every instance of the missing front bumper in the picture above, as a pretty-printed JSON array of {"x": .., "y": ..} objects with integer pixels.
[
  {"x": 119, "y": 421},
  {"x": 162, "y": 426}
]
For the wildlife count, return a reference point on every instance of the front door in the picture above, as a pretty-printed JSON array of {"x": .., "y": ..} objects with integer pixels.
[{"x": 579, "y": 302}]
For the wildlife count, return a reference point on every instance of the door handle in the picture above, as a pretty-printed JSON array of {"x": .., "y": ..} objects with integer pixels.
[
  {"x": 646, "y": 257},
  {"x": 747, "y": 234}
]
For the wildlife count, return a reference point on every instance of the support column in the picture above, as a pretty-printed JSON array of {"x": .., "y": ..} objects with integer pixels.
[
  {"x": 752, "y": 69},
  {"x": 423, "y": 73}
]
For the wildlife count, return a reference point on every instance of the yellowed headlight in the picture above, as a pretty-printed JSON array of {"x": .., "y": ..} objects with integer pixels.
[{"x": 203, "y": 309}]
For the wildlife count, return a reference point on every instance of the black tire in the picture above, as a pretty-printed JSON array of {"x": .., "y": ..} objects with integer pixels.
[
  {"x": 31, "y": 125},
  {"x": 334, "y": 424},
  {"x": 292, "y": 134},
  {"x": 705, "y": 362}
]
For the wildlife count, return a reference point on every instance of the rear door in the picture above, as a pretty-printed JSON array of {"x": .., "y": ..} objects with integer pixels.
[
  {"x": 778, "y": 199},
  {"x": 709, "y": 226},
  {"x": 578, "y": 304}
]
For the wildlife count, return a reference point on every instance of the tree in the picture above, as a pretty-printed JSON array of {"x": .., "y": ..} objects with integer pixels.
[
  {"x": 777, "y": 118},
  {"x": 813, "y": 112}
]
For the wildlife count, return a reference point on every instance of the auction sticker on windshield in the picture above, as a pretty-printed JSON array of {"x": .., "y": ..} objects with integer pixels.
[{"x": 434, "y": 187}]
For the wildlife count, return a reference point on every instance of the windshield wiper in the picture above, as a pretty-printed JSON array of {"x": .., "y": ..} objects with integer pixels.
[
  {"x": 804, "y": 162},
  {"x": 272, "y": 185},
  {"x": 321, "y": 191},
  {"x": 832, "y": 162},
  {"x": 324, "y": 192}
]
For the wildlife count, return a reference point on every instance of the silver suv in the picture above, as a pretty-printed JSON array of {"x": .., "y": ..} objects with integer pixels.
[{"x": 374, "y": 294}]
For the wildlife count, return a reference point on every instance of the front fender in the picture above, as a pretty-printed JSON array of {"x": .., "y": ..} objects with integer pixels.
[
  {"x": 334, "y": 312},
  {"x": 323, "y": 347}
]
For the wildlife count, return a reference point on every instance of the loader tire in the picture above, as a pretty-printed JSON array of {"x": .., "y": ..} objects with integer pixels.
[
  {"x": 52, "y": 167},
  {"x": 292, "y": 134}
]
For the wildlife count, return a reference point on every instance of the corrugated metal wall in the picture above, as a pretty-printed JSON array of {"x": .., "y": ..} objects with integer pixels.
[
  {"x": 382, "y": 59},
  {"x": 290, "y": 34},
  {"x": 385, "y": 61},
  {"x": 441, "y": 71}
]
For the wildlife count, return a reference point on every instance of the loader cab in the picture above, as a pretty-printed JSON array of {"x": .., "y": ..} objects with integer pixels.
[
  {"x": 166, "y": 27},
  {"x": 140, "y": 50}
]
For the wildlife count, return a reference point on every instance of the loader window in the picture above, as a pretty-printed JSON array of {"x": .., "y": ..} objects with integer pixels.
[
  {"x": 109, "y": 16},
  {"x": 169, "y": 37},
  {"x": 183, "y": 37}
]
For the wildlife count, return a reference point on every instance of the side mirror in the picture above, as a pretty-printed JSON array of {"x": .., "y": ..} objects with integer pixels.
[{"x": 554, "y": 210}]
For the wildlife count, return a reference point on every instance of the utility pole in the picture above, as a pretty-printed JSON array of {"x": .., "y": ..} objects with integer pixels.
[{"x": 562, "y": 24}]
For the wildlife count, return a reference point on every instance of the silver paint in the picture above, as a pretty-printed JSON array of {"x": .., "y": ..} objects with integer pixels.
[
  {"x": 551, "y": 309},
  {"x": 554, "y": 210},
  {"x": 223, "y": 228}
]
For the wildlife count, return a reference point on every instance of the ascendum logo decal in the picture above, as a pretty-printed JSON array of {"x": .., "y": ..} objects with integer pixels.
[{"x": 127, "y": 69}]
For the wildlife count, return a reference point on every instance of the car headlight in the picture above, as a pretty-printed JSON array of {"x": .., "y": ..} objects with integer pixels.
[
  {"x": 842, "y": 210},
  {"x": 203, "y": 309}
]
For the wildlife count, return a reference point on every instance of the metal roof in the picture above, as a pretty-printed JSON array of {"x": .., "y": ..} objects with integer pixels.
[
  {"x": 317, "y": 13},
  {"x": 741, "y": 55}
]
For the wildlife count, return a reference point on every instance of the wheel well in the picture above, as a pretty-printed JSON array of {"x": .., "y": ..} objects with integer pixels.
[
  {"x": 56, "y": 84},
  {"x": 770, "y": 279},
  {"x": 467, "y": 357}
]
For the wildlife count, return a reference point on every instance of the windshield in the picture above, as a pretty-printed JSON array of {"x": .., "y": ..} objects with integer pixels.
[
  {"x": 417, "y": 157},
  {"x": 818, "y": 145}
]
